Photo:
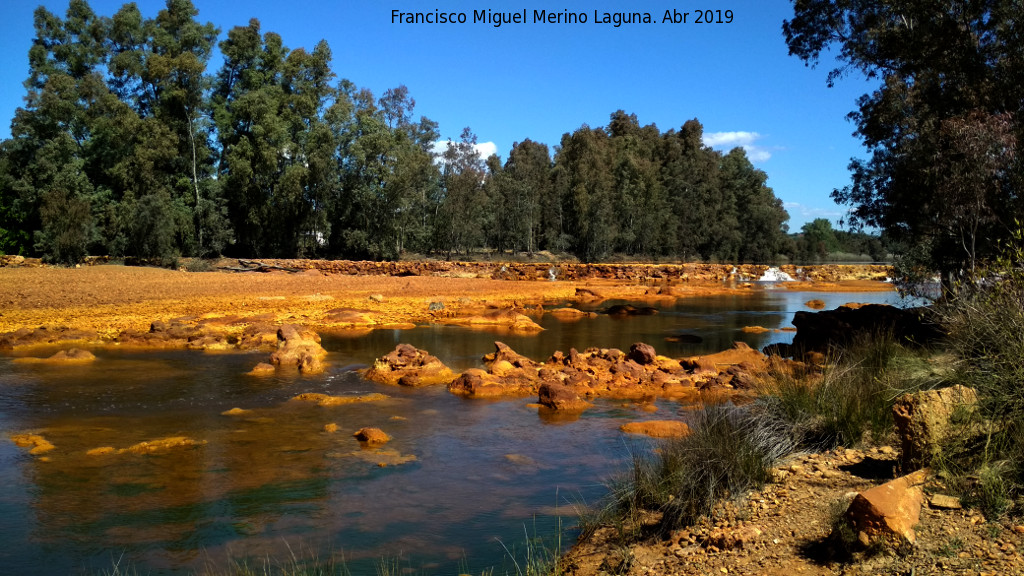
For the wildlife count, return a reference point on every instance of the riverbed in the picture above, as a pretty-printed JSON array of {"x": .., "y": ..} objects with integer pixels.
[{"x": 460, "y": 488}]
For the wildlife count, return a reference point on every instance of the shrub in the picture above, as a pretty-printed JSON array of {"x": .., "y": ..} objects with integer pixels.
[
  {"x": 984, "y": 319},
  {"x": 730, "y": 451},
  {"x": 852, "y": 396}
]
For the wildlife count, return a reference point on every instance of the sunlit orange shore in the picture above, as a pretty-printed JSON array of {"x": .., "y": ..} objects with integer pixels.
[{"x": 109, "y": 299}]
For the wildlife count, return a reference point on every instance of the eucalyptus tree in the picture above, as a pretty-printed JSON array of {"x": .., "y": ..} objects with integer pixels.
[
  {"x": 45, "y": 181},
  {"x": 586, "y": 186},
  {"x": 521, "y": 192},
  {"x": 642, "y": 207},
  {"x": 760, "y": 216},
  {"x": 942, "y": 176},
  {"x": 158, "y": 68},
  {"x": 458, "y": 225},
  {"x": 691, "y": 179},
  {"x": 277, "y": 151}
]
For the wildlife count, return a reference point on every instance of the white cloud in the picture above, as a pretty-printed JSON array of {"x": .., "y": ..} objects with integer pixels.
[
  {"x": 800, "y": 214},
  {"x": 483, "y": 149},
  {"x": 746, "y": 140},
  {"x": 731, "y": 139}
]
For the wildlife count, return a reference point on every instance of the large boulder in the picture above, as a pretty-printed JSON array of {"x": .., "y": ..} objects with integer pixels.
[
  {"x": 823, "y": 331},
  {"x": 925, "y": 420},
  {"x": 407, "y": 365},
  {"x": 298, "y": 348},
  {"x": 476, "y": 383},
  {"x": 372, "y": 436},
  {"x": 887, "y": 514},
  {"x": 503, "y": 352},
  {"x": 739, "y": 355},
  {"x": 560, "y": 397},
  {"x": 642, "y": 354}
]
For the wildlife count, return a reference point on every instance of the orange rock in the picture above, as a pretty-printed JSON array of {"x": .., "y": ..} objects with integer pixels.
[
  {"x": 504, "y": 318},
  {"x": 372, "y": 436},
  {"x": 756, "y": 329},
  {"x": 69, "y": 356},
  {"x": 408, "y": 366},
  {"x": 475, "y": 383},
  {"x": 815, "y": 304},
  {"x": 262, "y": 369},
  {"x": 299, "y": 348},
  {"x": 325, "y": 400},
  {"x": 657, "y": 428},
  {"x": 501, "y": 368},
  {"x": 888, "y": 513},
  {"x": 163, "y": 444},
  {"x": 588, "y": 295},
  {"x": 740, "y": 353},
  {"x": 38, "y": 444},
  {"x": 236, "y": 412},
  {"x": 330, "y": 428},
  {"x": 559, "y": 397},
  {"x": 570, "y": 314},
  {"x": 350, "y": 317}
]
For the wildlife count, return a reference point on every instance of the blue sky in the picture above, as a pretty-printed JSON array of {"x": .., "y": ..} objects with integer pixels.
[{"x": 539, "y": 81}]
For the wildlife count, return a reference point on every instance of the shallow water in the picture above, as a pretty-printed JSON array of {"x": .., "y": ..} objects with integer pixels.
[{"x": 487, "y": 474}]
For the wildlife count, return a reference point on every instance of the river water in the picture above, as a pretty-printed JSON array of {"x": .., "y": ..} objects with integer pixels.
[{"x": 487, "y": 475}]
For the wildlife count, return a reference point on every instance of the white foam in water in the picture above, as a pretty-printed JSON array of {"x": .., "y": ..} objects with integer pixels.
[{"x": 773, "y": 274}]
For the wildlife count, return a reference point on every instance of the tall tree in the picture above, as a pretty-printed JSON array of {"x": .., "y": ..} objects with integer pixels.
[
  {"x": 943, "y": 68},
  {"x": 586, "y": 189},
  {"x": 690, "y": 176},
  {"x": 248, "y": 107},
  {"x": 521, "y": 187},
  {"x": 460, "y": 213},
  {"x": 45, "y": 178},
  {"x": 760, "y": 215},
  {"x": 639, "y": 194}
]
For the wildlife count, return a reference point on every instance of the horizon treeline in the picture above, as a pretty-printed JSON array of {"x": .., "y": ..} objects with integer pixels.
[{"x": 128, "y": 145}]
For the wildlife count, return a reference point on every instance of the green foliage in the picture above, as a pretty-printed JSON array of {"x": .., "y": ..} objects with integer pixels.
[
  {"x": 942, "y": 130},
  {"x": 985, "y": 323},
  {"x": 852, "y": 396},
  {"x": 67, "y": 222},
  {"x": 271, "y": 156}
]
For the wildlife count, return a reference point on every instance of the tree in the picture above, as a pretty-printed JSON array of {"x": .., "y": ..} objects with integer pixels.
[
  {"x": 942, "y": 176},
  {"x": 45, "y": 172},
  {"x": 817, "y": 241},
  {"x": 691, "y": 177},
  {"x": 521, "y": 186},
  {"x": 760, "y": 215},
  {"x": 461, "y": 210},
  {"x": 639, "y": 195},
  {"x": 586, "y": 189}
]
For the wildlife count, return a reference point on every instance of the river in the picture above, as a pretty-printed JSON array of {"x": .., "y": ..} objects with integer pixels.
[{"x": 272, "y": 483}]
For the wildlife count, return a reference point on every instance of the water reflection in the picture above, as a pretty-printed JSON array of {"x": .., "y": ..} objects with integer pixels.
[{"x": 271, "y": 480}]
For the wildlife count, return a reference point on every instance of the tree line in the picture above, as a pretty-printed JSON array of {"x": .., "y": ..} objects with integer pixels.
[{"x": 128, "y": 145}]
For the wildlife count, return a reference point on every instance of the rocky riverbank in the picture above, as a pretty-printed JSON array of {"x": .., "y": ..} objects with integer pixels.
[
  {"x": 116, "y": 304},
  {"x": 784, "y": 529}
]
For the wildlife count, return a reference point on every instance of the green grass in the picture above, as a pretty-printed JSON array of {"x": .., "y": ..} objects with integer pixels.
[
  {"x": 730, "y": 451},
  {"x": 853, "y": 395}
]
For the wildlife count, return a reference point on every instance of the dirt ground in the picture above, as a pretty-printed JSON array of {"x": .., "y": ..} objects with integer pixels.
[
  {"x": 111, "y": 298},
  {"x": 783, "y": 530}
]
